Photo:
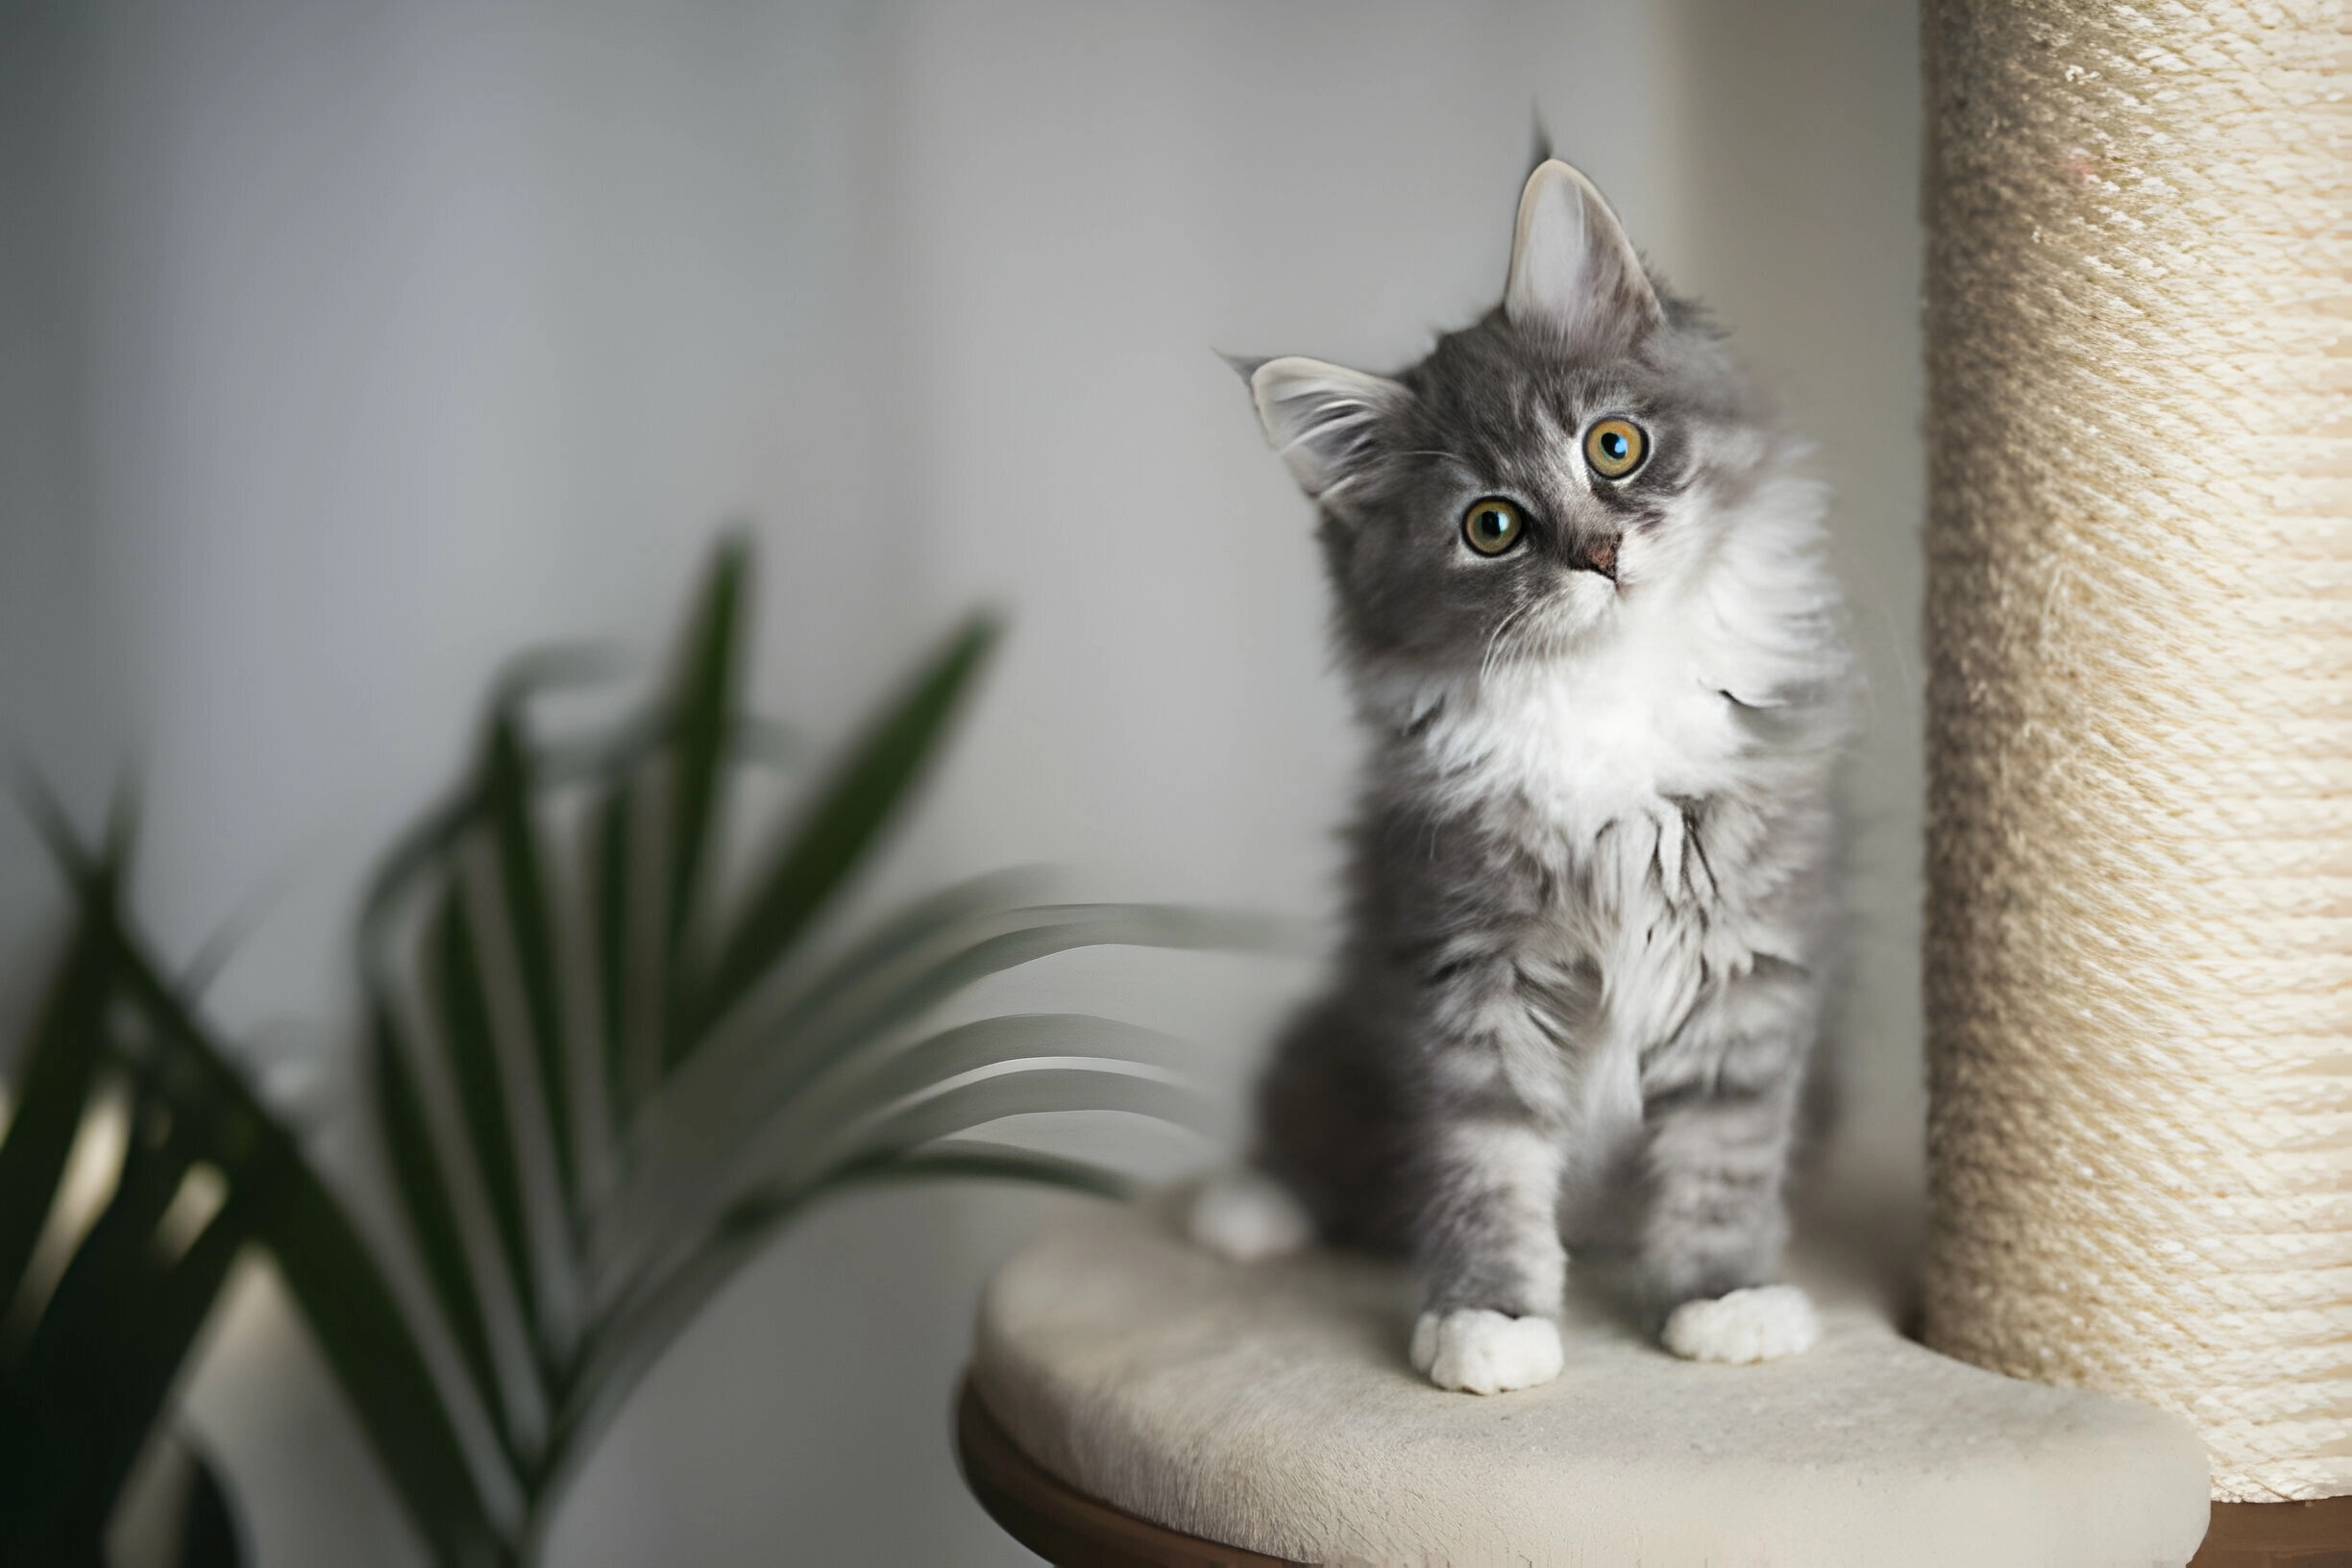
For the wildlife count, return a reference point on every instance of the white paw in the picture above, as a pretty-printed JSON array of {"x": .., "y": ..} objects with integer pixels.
[
  {"x": 1759, "y": 1324},
  {"x": 1244, "y": 1217},
  {"x": 1481, "y": 1351}
]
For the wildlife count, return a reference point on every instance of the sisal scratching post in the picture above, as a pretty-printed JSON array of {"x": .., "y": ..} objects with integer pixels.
[{"x": 2139, "y": 961}]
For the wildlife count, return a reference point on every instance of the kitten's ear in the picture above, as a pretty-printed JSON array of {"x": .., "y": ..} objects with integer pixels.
[
  {"x": 1573, "y": 272},
  {"x": 1319, "y": 417}
]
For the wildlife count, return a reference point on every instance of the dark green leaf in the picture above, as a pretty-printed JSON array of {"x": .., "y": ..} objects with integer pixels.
[
  {"x": 116, "y": 1246},
  {"x": 701, "y": 711},
  {"x": 720, "y": 1070},
  {"x": 869, "y": 1083},
  {"x": 461, "y": 1014},
  {"x": 350, "y": 1309},
  {"x": 758, "y": 1214},
  {"x": 91, "y": 1384},
  {"x": 53, "y": 1082},
  {"x": 523, "y": 887},
  {"x": 128, "y": 1367},
  {"x": 716, "y": 1104},
  {"x": 1022, "y": 1091},
  {"x": 886, "y": 949},
  {"x": 676, "y": 1197},
  {"x": 841, "y": 1017},
  {"x": 336, "y": 1282},
  {"x": 413, "y": 854},
  {"x": 430, "y": 1214},
  {"x": 409, "y": 863},
  {"x": 122, "y": 824},
  {"x": 628, "y": 950},
  {"x": 712, "y": 1112},
  {"x": 841, "y": 823},
  {"x": 608, "y": 846}
]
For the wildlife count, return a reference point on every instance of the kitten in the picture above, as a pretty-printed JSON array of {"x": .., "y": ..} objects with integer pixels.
[{"x": 1582, "y": 601}]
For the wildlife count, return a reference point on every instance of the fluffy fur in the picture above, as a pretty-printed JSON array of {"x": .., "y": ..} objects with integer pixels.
[{"x": 1590, "y": 896}]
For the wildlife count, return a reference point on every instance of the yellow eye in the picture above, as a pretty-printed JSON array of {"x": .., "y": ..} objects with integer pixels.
[
  {"x": 1614, "y": 447},
  {"x": 1492, "y": 526}
]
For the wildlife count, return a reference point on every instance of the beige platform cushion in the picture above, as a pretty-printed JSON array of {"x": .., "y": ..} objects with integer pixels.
[{"x": 1269, "y": 1405}]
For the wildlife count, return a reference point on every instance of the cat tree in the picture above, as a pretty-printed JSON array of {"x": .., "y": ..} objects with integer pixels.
[
  {"x": 2139, "y": 960},
  {"x": 2139, "y": 946}
]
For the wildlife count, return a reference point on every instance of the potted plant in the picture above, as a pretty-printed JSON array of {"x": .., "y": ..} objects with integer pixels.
[{"x": 604, "y": 1074}]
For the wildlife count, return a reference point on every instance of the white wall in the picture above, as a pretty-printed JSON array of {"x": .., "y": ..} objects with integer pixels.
[{"x": 354, "y": 348}]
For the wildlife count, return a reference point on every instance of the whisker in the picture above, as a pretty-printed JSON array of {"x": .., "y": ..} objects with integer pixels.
[{"x": 1494, "y": 640}]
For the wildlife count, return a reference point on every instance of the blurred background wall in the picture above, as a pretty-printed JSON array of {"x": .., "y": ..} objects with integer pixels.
[{"x": 345, "y": 349}]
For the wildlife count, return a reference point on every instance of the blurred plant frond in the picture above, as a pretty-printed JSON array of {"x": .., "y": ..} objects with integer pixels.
[
  {"x": 91, "y": 1351},
  {"x": 605, "y": 1073},
  {"x": 601, "y": 1080}
]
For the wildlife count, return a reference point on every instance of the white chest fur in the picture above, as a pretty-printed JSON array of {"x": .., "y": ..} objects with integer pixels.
[
  {"x": 1619, "y": 738},
  {"x": 1600, "y": 764}
]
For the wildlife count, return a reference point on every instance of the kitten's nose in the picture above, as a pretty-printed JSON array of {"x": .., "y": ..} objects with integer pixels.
[{"x": 1595, "y": 554}]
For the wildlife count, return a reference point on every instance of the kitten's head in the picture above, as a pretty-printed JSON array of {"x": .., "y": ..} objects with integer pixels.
[{"x": 1577, "y": 449}]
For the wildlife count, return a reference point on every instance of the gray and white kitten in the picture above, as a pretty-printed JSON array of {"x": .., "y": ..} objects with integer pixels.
[{"x": 1581, "y": 599}]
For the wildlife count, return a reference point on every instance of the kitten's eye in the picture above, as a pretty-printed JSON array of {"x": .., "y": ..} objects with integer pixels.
[
  {"x": 1492, "y": 526},
  {"x": 1615, "y": 448}
]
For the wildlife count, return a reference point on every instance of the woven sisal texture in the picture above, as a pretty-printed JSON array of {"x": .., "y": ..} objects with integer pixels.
[{"x": 2139, "y": 955}]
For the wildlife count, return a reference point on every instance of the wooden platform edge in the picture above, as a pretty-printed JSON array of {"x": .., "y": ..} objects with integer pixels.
[
  {"x": 1062, "y": 1525},
  {"x": 2278, "y": 1535},
  {"x": 1072, "y": 1529}
]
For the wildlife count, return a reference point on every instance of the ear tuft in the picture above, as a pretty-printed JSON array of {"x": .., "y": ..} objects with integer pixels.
[
  {"x": 1243, "y": 365},
  {"x": 1321, "y": 418},
  {"x": 1573, "y": 272}
]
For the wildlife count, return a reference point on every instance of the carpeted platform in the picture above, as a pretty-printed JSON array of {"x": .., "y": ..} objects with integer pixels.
[{"x": 1269, "y": 1405}]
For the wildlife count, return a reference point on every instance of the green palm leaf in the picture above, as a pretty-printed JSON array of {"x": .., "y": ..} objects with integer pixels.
[
  {"x": 656, "y": 1219},
  {"x": 460, "y": 1007},
  {"x": 702, "y": 715},
  {"x": 723, "y": 1099},
  {"x": 521, "y": 885},
  {"x": 883, "y": 985},
  {"x": 736, "y": 1059},
  {"x": 52, "y": 1087},
  {"x": 432, "y": 1217},
  {"x": 103, "y": 1349},
  {"x": 624, "y": 986},
  {"x": 842, "y": 820},
  {"x": 871, "y": 1082},
  {"x": 329, "y": 1271}
]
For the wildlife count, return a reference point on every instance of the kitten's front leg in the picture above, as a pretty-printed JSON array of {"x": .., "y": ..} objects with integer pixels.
[
  {"x": 1717, "y": 1155},
  {"x": 1490, "y": 1248}
]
